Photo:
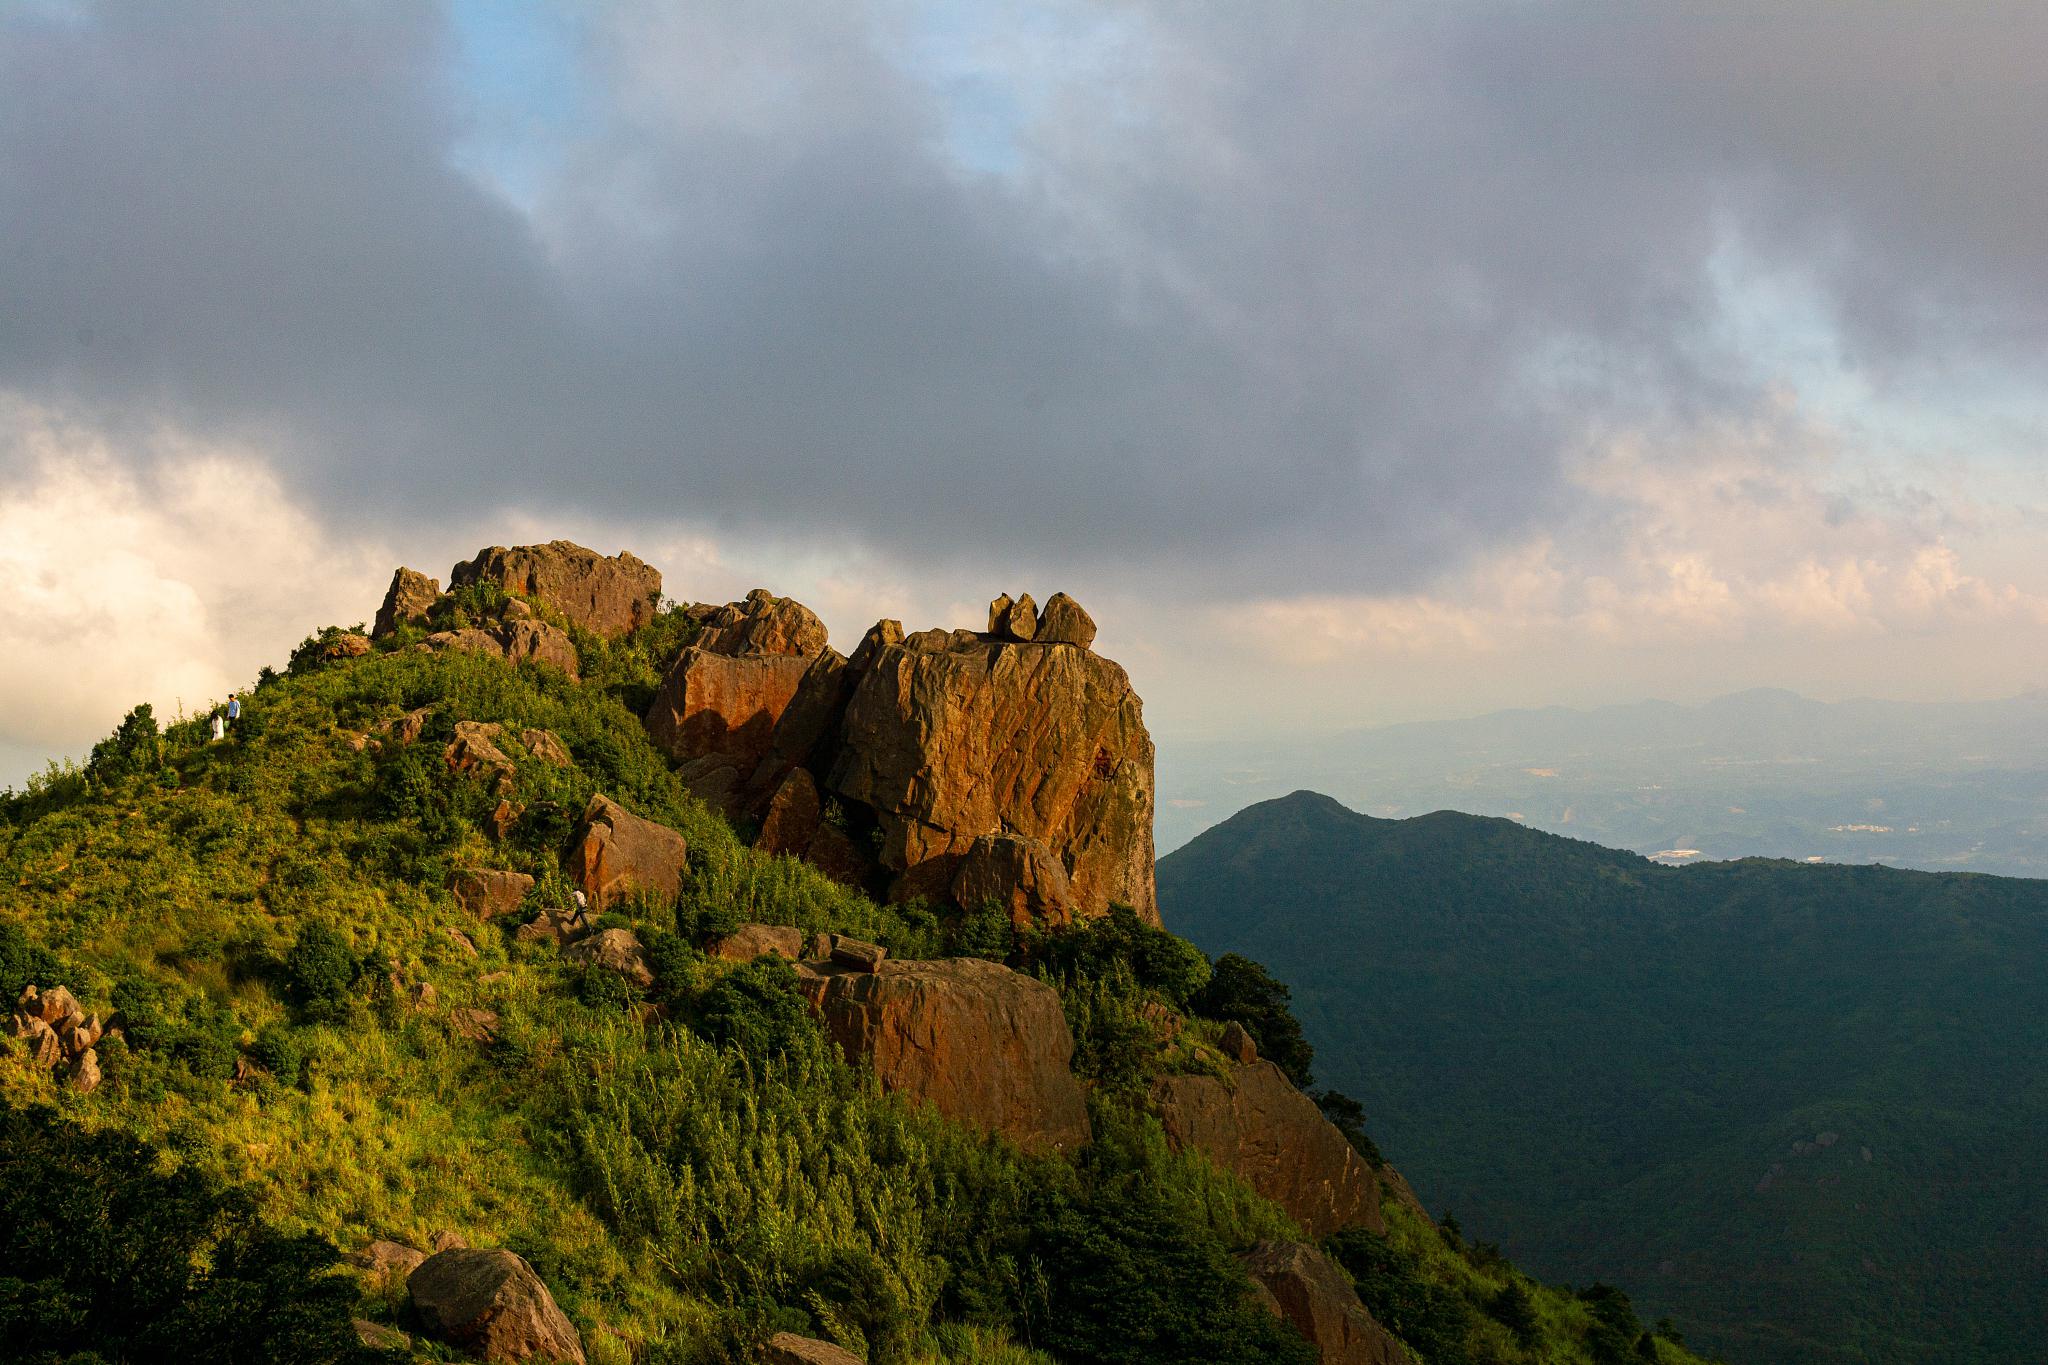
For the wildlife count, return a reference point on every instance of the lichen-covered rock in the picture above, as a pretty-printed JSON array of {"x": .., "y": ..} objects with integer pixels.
[
  {"x": 491, "y": 1304},
  {"x": 1311, "y": 1291},
  {"x": 474, "y": 750},
  {"x": 604, "y": 595},
  {"x": 615, "y": 950},
  {"x": 1257, "y": 1126},
  {"x": 1043, "y": 742},
  {"x": 618, "y": 854},
  {"x": 546, "y": 746},
  {"x": 1061, "y": 621},
  {"x": 489, "y": 892},
  {"x": 985, "y": 1046},
  {"x": 406, "y": 602},
  {"x": 763, "y": 624},
  {"x": 787, "y": 1348},
  {"x": 537, "y": 642},
  {"x": 1020, "y": 875},
  {"x": 750, "y": 941}
]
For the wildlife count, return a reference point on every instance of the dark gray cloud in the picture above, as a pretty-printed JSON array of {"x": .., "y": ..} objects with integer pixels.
[{"x": 1309, "y": 295}]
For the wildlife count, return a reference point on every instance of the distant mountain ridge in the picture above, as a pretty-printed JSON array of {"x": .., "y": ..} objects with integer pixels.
[
  {"x": 1796, "y": 1106},
  {"x": 1936, "y": 785}
]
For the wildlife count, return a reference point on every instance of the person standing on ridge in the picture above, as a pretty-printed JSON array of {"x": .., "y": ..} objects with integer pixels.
[{"x": 234, "y": 709}]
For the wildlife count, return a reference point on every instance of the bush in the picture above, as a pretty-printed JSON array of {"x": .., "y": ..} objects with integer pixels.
[
  {"x": 758, "y": 1009},
  {"x": 1240, "y": 990},
  {"x": 281, "y": 1052},
  {"x": 104, "y": 1255},
  {"x": 23, "y": 964},
  {"x": 1348, "y": 1116},
  {"x": 319, "y": 970},
  {"x": 136, "y": 746},
  {"x": 1391, "y": 1283},
  {"x": 1162, "y": 963}
]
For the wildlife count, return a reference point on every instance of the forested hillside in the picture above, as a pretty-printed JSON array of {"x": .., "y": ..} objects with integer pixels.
[
  {"x": 1797, "y": 1106},
  {"x": 309, "y": 1007}
]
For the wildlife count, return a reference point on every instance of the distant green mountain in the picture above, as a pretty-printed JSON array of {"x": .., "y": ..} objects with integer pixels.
[{"x": 1800, "y": 1108}]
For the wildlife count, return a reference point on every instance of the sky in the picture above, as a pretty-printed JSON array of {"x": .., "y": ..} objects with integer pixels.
[{"x": 1352, "y": 364}]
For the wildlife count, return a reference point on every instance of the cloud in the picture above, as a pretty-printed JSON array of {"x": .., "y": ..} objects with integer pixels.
[
  {"x": 1238, "y": 300},
  {"x": 117, "y": 590}
]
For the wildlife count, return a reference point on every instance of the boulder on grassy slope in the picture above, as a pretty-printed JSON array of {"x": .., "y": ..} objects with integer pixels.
[
  {"x": 618, "y": 854},
  {"x": 1313, "y": 1293},
  {"x": 491, "y": 1304},
  {"x": 604, "y": 595},
  {"x": 787, "y": 1348},
  {"x": 406, "y": 602},
  {"x": 487, "y": 892},
  {"x": 985, "y": 1046},
  {"x": 1259, "y": 1127},
  {"x": 1042, "y": 742}
]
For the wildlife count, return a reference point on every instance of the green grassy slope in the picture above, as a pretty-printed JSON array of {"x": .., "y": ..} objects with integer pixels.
[
  {"x": 1797, "y": 1106},
  {"x": 687, "y": 1168}
]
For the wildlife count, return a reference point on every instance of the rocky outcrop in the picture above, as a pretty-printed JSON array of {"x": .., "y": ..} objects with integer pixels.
[
  {"x": 385, "y": 1260},
  {"x": 488, "y": 892},
  {"x": 617, "y": 854},
  {"x": 980, "y": 737},
  {"x": 60, "y": 1036},
  {"x": 618, "y": 951},
  {"x": 491, "y": 1304},
  {"x": 520, "y": 641},
  {"x": 750, "y": 941},
  {"x": 546, "y": 746},
  {"x": 787, "y": 1348},
  {"x": 724, "y": 695},
  {"x": 1011, "y": 766},
  {"x": 606, "y": 596},
  {"x": 984, "y": 1045},
  {"x": 1313, "y": 1293},
  {"x": 1257, "y": 1126},
  {"x": 474, "y": 750},
  {"x": 406, "y": 602}
]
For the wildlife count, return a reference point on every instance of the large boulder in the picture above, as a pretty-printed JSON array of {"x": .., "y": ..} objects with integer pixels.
[
  {"x": 1020, "y": 875},
  {"x": 750, "y": 941},
  {"x": 1257, "y": 1126},
  {"x": 606, "y": 596},
  {"x": 489, "y": 892},
  {"x": 1313, "y": 1293},
  {"x": 723, "y": 697},
  {"x": 618, "y": 854},
  {"x": 787, "y": 1348},
  {"x": 519, "y": 641},
  {"x": 406, "y": 602},
  {"x": 491, "y": 1304},
  {"x": 615, "y": 950},
  {"x": 984, "y": 1045},
  {"x": 947, "y": 742}
]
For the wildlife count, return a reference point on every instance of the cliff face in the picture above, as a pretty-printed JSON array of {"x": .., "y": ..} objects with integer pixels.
[{"x": 1010, "y": 765}]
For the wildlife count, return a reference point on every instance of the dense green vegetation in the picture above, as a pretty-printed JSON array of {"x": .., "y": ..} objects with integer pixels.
[
  {"x": 1797, "y": 1107},
  {"x": 319, "y": 1048}
]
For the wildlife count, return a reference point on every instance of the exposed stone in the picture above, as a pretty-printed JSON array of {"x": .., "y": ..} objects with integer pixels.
[
  {"x": 53, "y": 1006},
  {"x": 423, "y": 995},
  {"x": 1013, "y": 619},
  {"x": 489, "y": 892},
  {"x": 763, "y": 624},
  {"x": 787, "y": 1348},
  {"x": 479, "y": 1026},
  {"x": 1238, "y": 1044},
  {"x": 618, "y": 854},
  {"x": 606, "y": 596},
  {"x": 491, "y": 1304},
  {"x": 537, "y": 642},
  {"x": 406, "y": 602},
  {"x": 461, "y": 940},
  {"x": 857, "y": 953},
  {"x": 504, "y": 817},
  {"x": 716, "y": 714},
  {"x": 546, "y": 746},
  {"x": 406, "y": 728},
  {"x": 615, "y": 950},
  {"x": 1311, "y": 1291},
  {"x": 984, "y": 1045},
  {"x": 1259, "y": 1127},
  {"x": 347, "y": 645},
  {"x": 554, "y": 925},
  {"x": 947, "y": 745},
  {"x": 1020, "y": 875},
  {"x": 378, "y": 1337},
  {"x": 84, "y": 1075},
  {"x": 385, "y": 1260},
  {"x": 1062, "y": 621},
  {"x": 790, "y": 824},
  {"x": 41, "y": 1040},
  {"x": 447, "y": 1239},
  {"x": 750, "y": 941},
  {"x": 474, "y": 750}
]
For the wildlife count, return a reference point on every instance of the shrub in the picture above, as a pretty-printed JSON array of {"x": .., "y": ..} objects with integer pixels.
[
  {"x": 319, "y": 970},
  {"x": 1240, "y": 990},
  {"x": 134, "y": 747},
  {"x": 24, "y": 964},
  {"x": 279, "y": 1051},
  {"x": 757, "y": 1009},
  {"x": 104, "y": 1255}
]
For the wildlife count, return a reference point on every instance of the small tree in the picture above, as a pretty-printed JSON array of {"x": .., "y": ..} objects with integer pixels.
[
  {"x": 319, "y": 970},
  {"x": 1243, "y": 991}
]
